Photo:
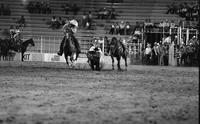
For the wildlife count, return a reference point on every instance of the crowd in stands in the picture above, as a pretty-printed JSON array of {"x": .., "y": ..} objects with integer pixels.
[
  {"x": 56, "y": 23},
  {"x": 5, "y": 9},
  {"x": 87, "y": 20},
  {"x": 189, "y": 11},
  {"x": 42, "y": 7},
  {"x": 106, "y": 13},
  {"x": 125, "y": 28},
  {"x": 71, "y": 8}
]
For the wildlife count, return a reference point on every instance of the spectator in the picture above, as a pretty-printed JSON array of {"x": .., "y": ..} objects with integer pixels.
[
  {"x": 193, "y": 40},
  {"x": 84, "y": 19},
  {"x": 53, "y": 24},
  {"x": 127, "y": 29},
  {"x": 89, "y": 20},
  {"x": 112, "y": 29},
  {"x": 117, "y": 28},
  {"x": 148, "y": 54},
  {"x": 21, "y": 21},
  {"x": 12, "y": 31},
  {"x": 121, "y": 28},
  {"x": 155, "y": 53},
  {"x": 60, "y": 22}
]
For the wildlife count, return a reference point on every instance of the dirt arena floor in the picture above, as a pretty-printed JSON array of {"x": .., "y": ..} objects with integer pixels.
[{"x": 50, "y": 93}]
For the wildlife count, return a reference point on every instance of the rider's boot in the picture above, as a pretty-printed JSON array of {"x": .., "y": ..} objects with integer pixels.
[{"x": 59, "y": 53}]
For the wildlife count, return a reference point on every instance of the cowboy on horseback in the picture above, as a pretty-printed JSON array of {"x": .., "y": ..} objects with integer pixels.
[
  {"x": 15, "y": 35},
  {"x": 69, "y": 30}
]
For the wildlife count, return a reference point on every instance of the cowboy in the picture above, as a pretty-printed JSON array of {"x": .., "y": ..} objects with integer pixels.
[
  {"x": 17, "y": 36},
  {"x": 69, "y": 30}
]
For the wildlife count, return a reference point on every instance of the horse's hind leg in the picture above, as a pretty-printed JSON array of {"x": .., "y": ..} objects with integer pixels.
[
  {"x": 66, "y": 58},
  {"x": 125, "y": 59},
  {"x": 113, "y": 68},
  {"x": 22, "y": 56},
  {"x": 118, "y": 63}
]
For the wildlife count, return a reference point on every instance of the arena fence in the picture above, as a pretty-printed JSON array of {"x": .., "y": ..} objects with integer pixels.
[{"x": 51, "y": 44}]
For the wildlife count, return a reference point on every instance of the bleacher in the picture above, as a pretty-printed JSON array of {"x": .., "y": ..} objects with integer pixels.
[{"x": 130, "y": 10}]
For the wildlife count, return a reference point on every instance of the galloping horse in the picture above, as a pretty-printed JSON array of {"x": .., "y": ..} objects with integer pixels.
[
  {"x": 7, "y": 44},
  {"x": 116, "y": 50},
  {"x": 70, "y": 49}
]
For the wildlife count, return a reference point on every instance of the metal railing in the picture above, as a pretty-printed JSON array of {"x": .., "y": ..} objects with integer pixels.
[{"x": 51, "y": 44}]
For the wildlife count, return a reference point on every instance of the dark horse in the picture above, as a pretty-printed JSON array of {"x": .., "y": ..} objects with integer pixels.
[
  {"x": 69, "y": 49},
  {"x": 8, "y": 44},
  {"x": 117, "y": 50}
]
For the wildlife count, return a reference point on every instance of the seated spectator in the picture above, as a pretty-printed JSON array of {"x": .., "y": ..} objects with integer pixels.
[
  {"x": 137, "y": 30},
  {"x": 84, "y": 19},
  {"x": 127, "y": 29},
  {"x": 21, "y": 21},
  {"x": 117, "y": 28},
  {"x": 112, "y": 29},
  {"x": 89, "y": 20},
  {"x": 54, "y": 23},
  {"x": 12, "y": 31},
  {"x": 148, "y": 25},
  {"x": 121, "y": 28},
  {"x": 61, "y": 22}
]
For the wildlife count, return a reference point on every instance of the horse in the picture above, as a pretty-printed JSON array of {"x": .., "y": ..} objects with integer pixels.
[
  {"x": 7, "y": 44},
  {"x": 116, "y": 49},
  {"x": 4, "y": 48},
  {"x": 24, "y": 46},
  {"x": 70, "y": 50}
]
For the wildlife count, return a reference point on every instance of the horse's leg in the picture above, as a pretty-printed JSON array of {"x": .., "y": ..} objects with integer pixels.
[
  {"x": 22, "y": 56},
  {"x": 118, "y": 63},
  {"x": 66, "y": 58},
  {"x": 113, "y": 68},
  {"x": 125, "y": 59}
]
